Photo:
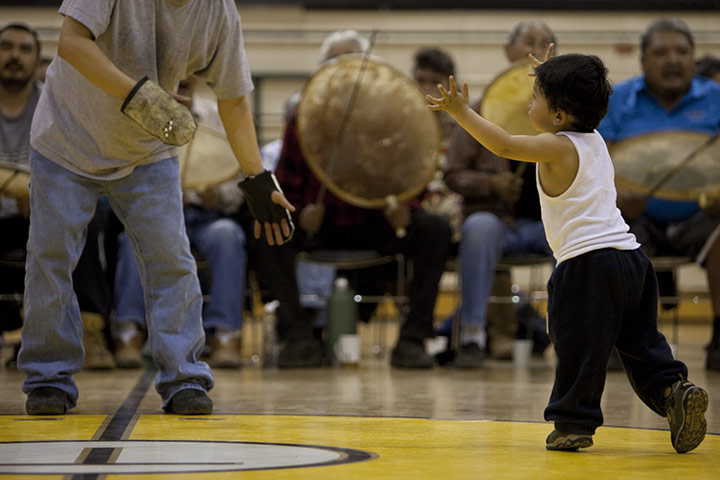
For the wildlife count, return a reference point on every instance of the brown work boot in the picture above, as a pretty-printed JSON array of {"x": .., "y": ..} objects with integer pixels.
[
  {"x": 226, "y": 354},
  {"x": 97, "y": 355},
  {"x": 128, "y": 352}
]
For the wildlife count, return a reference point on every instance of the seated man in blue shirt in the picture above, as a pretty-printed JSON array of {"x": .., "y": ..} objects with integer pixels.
[{"x": 669, "y": 97}]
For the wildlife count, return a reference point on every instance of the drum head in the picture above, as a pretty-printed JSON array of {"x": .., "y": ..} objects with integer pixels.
[
  {"x": 391, "y": 141},
  {"x": 14, "y": 180},
  {"x": 644, "y": 160},
  {"x": 506, "y": 100},
  {"x": 207, "y": 160}
]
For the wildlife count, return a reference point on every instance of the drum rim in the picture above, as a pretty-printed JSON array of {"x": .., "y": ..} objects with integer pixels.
[
  {"x": 364, "y": 202},
  {"x": 189, "y": 184},
  {"x": 685, "y": 195},
  {"x": 514, "y": 67}
]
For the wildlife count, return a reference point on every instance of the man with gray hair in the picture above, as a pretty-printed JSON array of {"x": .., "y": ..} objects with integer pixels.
[
  {"x": 342, "y": 42},
  {"x": 332, "y": 223},
  {"x": 501, "y": 214}
]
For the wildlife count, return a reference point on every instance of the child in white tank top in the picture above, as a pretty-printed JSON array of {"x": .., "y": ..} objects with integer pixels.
[{"x": 603, "y": 292}]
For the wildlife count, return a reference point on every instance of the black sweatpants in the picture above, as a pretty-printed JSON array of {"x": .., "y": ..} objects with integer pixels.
[{"x": 596, "y": 301}]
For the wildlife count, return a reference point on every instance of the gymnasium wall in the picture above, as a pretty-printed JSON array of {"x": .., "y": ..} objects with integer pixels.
[{"x": 282, "y": 41}]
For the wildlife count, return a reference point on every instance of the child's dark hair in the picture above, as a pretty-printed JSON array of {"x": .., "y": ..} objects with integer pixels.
[{"x": 578, "y": 85}]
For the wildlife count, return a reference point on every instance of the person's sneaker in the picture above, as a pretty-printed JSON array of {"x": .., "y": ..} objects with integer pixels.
[
  {"x": 713, "y": 356},
  {"x": 568, "y": 442},
  {"x": 225, "y": 354},
  {"x": 97, "y": 354},
  {"x": 190, "y": 401},
  {"x": 411, "y": 354},
  {"x": 300, "y": 354},
  {"x": 685, "y": 406},
  {"x": 469, "y": 356},
  {"x": 46, "y": 401},
  {"x": 128, "y": 352}
]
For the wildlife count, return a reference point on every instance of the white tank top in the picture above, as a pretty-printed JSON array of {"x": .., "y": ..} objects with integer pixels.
[{"x": 585, "y": 217}]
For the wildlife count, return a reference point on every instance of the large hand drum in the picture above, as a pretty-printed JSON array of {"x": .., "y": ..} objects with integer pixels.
[
  {"x": 506, "y": 100},
  {"x": 674, "y": 165},
  {"x": 14, "y": 180},
  {"x": 384, "y": 142},
  {"x": 207, "y": 160}
]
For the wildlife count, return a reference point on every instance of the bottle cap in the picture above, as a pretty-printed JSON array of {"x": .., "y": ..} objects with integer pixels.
[
  {"x": 341, "y": 283},
  {"x": 271, "y": 307}
]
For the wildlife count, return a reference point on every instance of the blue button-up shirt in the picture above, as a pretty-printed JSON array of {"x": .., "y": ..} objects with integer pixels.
[{"x": 634, "y": 111}]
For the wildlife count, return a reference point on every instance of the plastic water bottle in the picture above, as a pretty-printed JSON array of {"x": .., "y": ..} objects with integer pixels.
[
  {"x": 271, "y": 348},
  {"x": 342, "y": 315}
]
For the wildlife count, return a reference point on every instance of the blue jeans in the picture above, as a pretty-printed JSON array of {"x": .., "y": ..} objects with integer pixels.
[
  {"x": 149, "y": 203},
  {"x": 221, "y": 241},
  {"x": 485, "y": 239}
]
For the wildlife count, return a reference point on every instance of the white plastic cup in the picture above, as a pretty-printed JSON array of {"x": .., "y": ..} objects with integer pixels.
[
  {"x": 521, "y": 352},
  {"x": 348, "y": 349}
]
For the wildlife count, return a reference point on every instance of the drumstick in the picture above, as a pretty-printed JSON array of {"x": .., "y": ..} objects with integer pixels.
[
  {"x": 681, "y": 165},
  {"x": 346, "y": 116},
  {"x": 186, "y": 164}
]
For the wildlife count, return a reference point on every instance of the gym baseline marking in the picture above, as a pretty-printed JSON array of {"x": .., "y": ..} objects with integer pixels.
[{"x": 93, "y": 459}]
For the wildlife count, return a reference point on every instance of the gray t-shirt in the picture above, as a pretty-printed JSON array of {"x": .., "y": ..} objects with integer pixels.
[
  {"x": 15, "y": 132},
  {"x": 80, "y": 127}
]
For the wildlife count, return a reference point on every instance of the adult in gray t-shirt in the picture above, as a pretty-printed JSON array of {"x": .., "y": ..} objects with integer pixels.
[
  {"x": 15, "y": 131},
  {"x": 14, "y": 151},
  {"x": 83, "y": 146}
]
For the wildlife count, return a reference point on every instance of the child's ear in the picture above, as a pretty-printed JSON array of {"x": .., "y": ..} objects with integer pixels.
[{"x": 559, "y": 118}]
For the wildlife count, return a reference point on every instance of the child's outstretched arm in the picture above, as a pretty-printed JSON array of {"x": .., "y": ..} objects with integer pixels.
[{"x": 545, "y": 147}]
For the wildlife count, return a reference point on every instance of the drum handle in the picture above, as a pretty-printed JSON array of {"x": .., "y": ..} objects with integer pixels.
[{"x": 392, "y": 202}]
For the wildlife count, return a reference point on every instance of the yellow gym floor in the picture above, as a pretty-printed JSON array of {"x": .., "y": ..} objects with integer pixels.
[{"x": 371, "y": 422}]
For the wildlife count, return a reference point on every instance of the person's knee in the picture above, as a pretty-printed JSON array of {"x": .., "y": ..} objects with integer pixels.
[
  {"x": 226, "y": 233},
  {"x": 483, "y": 226}
]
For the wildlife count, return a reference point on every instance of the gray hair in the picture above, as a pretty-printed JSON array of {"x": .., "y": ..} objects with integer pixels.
[
  {"x": 515, "y": 32},
  {"x": 342, "y": 36},
  {"x": 665, "y": 25}
]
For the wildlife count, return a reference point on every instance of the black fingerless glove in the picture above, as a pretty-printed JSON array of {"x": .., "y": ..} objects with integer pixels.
[
  {"x": 257, "y": 191},
  {"x": 159, "y": 113}
]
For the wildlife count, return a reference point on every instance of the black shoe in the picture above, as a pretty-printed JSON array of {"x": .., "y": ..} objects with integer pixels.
[
  {"x": 411, "y": 354},
  {"x": 47, "y": 401},
  {"x": 713, "y": 356},
  {"x": 190, "y": 401},
  {"x": 568, "y": 442},
  {"x": 685, "y": 407},
  {"x": 300, "y": 354},
  {"x": 469, "y": 356}
]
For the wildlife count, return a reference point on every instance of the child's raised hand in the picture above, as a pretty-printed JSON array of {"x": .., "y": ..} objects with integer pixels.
[
  {"x": 451, "y": 101},
  {"x": 548, "y": 55}
]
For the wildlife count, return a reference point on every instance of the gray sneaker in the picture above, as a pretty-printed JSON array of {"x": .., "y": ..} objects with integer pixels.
[
  {"x": 685, "y": 406},
  {"x": 46, "y": 401},
  {"x": 568, "y": 442},
  {"x": 190, "y": 401}
]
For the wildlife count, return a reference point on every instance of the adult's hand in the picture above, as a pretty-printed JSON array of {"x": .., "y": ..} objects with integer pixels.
[
  {"x": 507, "y": 186},
  {"x": 311, "y": 218},
  {"x": 269, "y": 207}
]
